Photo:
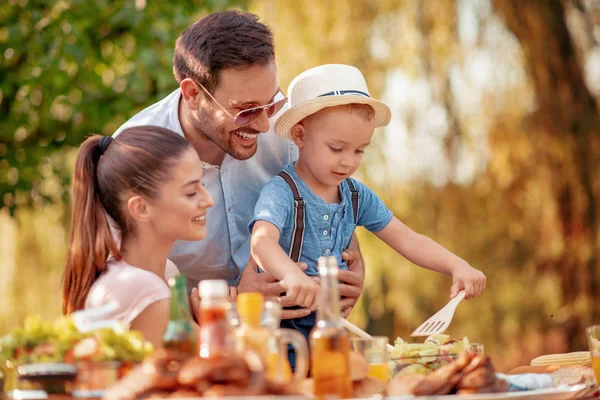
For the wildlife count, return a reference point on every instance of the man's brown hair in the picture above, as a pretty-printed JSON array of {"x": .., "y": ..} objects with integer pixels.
[{"x": 228, "y": 39}]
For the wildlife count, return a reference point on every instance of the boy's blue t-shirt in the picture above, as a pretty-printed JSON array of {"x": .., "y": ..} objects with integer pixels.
[{"x": 328, "y": 227}]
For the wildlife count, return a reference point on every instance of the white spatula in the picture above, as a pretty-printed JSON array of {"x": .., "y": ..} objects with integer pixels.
[
  {"x": 441, "y": 320},
  {"x": 359, "y": 332}
]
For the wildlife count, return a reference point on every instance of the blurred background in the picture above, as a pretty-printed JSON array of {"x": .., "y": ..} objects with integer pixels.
[{"x": 493, "y": 149}]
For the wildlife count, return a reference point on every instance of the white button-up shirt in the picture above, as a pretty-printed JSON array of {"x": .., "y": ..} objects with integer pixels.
[{"x": 235, "y": 186}]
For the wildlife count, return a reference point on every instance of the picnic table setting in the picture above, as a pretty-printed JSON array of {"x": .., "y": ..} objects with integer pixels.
[{"x": 240, "y": 352}]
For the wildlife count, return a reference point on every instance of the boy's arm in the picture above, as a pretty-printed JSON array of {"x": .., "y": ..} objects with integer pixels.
[
  {"x": 429, "y": 254},
  {"x": 265, "y": 249}
]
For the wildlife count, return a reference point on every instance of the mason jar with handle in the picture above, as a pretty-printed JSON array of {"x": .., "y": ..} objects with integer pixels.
[{"x": 278, "y": 366}]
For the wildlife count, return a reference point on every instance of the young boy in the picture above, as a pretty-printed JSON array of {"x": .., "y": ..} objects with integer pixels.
[{"x": 312, "y": 208}]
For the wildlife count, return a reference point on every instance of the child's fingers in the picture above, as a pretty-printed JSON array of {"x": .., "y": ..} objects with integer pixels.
[
  {"x": 317, "y": 301},
  {"x": 301, "y": 299},
  {"x": 469, "y": 289},
  {"x": 456, "y": 287},
  {"x": 310, "y": 303},
  {"x": 303, "y": 266},
  {"x": 482, "y": 284},
  {"x": 478, "y": 287},
  {"x": 478, "y": 284},
  {"x": 310, "y": 300},
  {"x": 292, "y": 294}
]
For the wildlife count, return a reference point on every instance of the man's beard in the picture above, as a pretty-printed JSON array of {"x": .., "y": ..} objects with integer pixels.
[{"x": 225, "y": 140}]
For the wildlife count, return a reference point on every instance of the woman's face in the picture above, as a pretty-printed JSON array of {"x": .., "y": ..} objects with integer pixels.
[{"x": 179, "y": 212}]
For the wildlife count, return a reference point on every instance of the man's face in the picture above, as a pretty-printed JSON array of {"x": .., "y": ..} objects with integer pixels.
[{"x": 238, "y": 89}]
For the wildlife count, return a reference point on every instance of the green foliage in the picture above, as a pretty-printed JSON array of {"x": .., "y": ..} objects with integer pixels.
[{"x": 69, "y": 68}]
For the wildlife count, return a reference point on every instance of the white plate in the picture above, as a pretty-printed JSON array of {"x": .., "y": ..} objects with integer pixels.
[{"x": 565, "y": 393}]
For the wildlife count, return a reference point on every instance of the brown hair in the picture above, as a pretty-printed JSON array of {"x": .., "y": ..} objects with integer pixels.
[
  {"x": 135, "y": 162},
  {"x": 228, "y": 39},
  {"x": 362, "y": 110}
]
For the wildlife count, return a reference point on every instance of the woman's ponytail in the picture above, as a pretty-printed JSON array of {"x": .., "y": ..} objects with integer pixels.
[{"x": 91, "y": 241}]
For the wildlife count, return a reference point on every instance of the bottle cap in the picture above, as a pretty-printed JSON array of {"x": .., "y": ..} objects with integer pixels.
[
  {"x": 213, "y": 288},
  {"x": 328, "y": 266}
]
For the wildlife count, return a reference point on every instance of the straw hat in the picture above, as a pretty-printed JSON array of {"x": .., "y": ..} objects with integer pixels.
[{"x": 327, "y": 86}]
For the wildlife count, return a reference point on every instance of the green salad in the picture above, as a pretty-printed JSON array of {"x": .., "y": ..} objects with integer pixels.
[
  {"x": 422, "y": 358},
  {"x": 60, "y": 341}
]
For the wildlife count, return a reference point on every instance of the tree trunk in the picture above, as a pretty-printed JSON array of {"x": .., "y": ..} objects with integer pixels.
[{"x": 566, "y": 129}]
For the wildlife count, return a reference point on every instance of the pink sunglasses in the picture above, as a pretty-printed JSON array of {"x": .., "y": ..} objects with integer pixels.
[{"x": 244, "y": 117}]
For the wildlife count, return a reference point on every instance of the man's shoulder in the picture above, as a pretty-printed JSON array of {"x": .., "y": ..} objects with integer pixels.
[{"x": 157, "y": 114}]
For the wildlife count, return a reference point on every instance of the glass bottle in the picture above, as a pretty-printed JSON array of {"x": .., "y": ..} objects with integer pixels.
[
  {"x": 214, "y": 335},
  {"x": 330, "y": 344},
  {"x": 180, "y": 333}
]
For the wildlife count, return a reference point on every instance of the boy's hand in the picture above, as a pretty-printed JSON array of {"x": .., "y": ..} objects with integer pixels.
[
  {"x": 301, "y": 289},
  {"x": 468, "y": 278},
  {"x": 261, "y": 282}
]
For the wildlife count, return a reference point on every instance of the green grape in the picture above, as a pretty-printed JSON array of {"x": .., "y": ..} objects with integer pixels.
[
  {"x": 49, "y": 341},
  {"x": 106, "y": 353}
]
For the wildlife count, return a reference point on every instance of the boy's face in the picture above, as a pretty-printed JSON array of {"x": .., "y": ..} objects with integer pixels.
[{"x": 333, "y": 143}]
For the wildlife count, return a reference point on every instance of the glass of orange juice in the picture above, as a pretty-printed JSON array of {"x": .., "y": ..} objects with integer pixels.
[
  {"x": 375, "y": 352},
  {"x": 593, "y": 336}
]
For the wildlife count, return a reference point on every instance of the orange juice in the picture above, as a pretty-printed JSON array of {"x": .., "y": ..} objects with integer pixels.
[
  {"x": 596, "y": 366},
  {"x": 330, "y": 366},
  {"x": 278, "y": 367},
  {"x": 329, "y": 341},
  {"x": 378, "y": 371}
]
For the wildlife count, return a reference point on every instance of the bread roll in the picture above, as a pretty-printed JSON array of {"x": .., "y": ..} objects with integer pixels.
[{"x": 368, "y": 387}]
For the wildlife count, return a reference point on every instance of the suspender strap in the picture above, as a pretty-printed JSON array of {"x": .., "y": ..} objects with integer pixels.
[
  {"x": 299, "y": 218},
  {"x": 300, "y": 213},
  {"x": 355, "y": 198}
]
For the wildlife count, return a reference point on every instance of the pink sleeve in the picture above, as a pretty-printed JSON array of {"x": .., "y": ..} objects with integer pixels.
[{"x": 133, "y": 289}]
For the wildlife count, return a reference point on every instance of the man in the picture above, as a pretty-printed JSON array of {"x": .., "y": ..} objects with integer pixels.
[{"x": 228, "y": 90}]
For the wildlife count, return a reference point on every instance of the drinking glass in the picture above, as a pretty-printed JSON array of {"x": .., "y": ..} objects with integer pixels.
[
  {"x": 593, "y": 337},
  {"x": 375, "y": 352}
]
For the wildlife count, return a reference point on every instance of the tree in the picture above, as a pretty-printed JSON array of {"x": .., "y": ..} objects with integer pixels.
[
  {"x": 71, "y": 68},
  {"x": 565, "y": 126}
]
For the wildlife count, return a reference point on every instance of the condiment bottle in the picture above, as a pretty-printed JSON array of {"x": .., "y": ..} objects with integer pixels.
[
  {"x": 180, "y": 333},
  {"x": 214, "y": 335},
  {"x": 330, "y": 345}
]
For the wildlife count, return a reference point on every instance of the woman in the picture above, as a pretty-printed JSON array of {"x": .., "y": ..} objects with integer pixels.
[{"x": 148, "y": 180}]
